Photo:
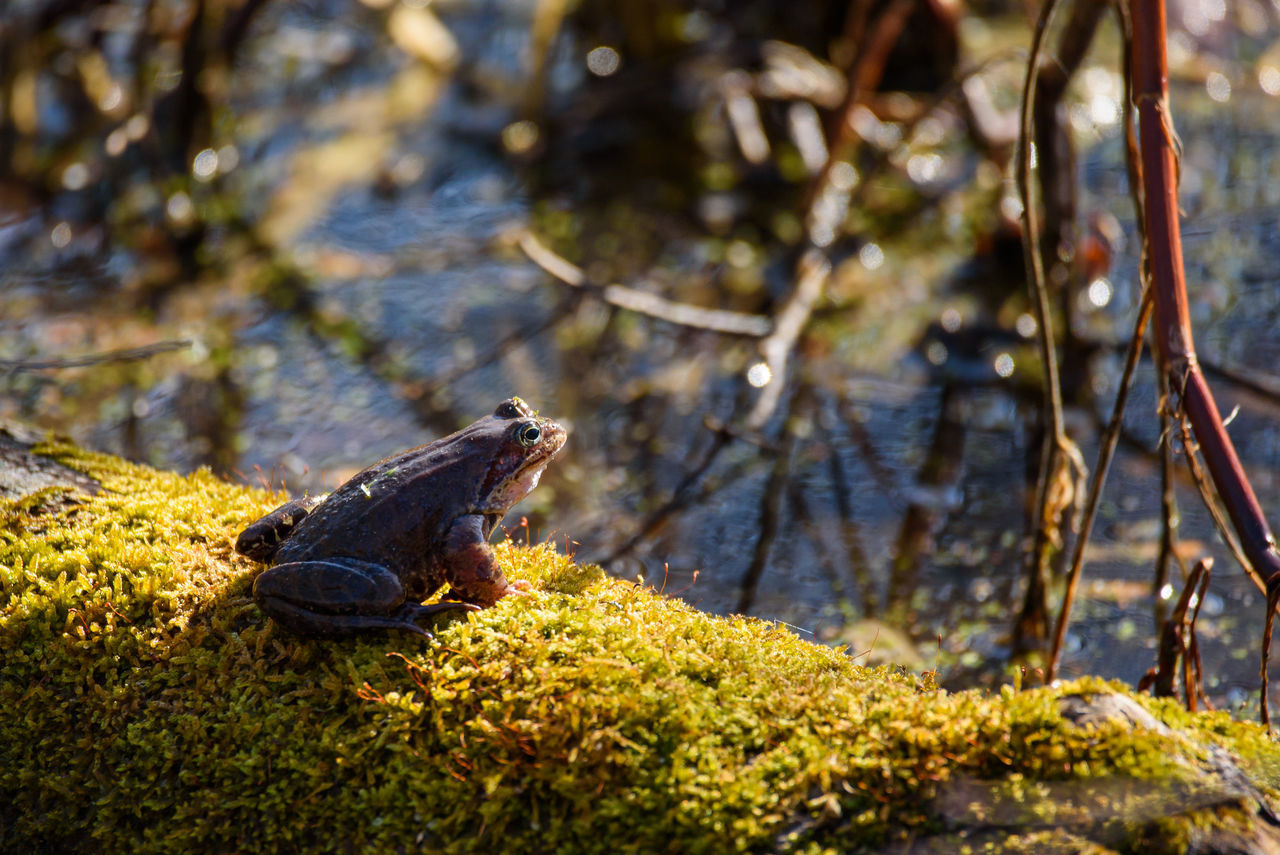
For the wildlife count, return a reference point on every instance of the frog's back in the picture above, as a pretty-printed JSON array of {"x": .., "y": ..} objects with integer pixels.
[{"x": 396, "y": 511}]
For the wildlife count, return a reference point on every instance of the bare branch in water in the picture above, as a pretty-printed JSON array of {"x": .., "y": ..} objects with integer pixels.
[
  {"x": 1178, "y": 641},
  {"x": 127, "y": 354},
  {"x": 813, "y": 272},
  {"x": 644, "y": 303}
]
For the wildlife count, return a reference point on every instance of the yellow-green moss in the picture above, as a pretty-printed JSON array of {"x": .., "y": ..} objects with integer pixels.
[{"x": 146, "y": 705}]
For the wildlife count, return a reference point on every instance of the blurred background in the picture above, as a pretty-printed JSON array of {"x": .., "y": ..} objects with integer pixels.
[{"x": 284, "y": 240}]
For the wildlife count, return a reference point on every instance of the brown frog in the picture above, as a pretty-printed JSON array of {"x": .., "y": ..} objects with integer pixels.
[{"x": 366, "y": 555}]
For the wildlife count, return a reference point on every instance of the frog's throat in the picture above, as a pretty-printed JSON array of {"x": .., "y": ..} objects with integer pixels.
[{"x": 515, "y": 488}]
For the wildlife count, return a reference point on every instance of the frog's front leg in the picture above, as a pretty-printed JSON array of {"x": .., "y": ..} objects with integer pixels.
[
  {"x": 263, "y": 536},
  {"x": 470, "y": 566},
  {"x": 339, "y": 596}
]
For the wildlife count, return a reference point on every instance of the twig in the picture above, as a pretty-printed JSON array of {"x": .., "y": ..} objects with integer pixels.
[
  {"x": 1192, "y": 672},
  {"x": 1174, "y": 330},
  {"x": 1168, "y": 508},
  {"x": 1268, "y": 389},
  {"x": 1055, "y": 157},
  {"x": 1031, "y": 251},
  {"x": 824, "y": 207},
  {"x": 1178, "y": 639},
  {"x": 1201, "y": 479},
  {"x": 813, "y": 271},
  {"x": 1169, "y": 476},
  {"x": 864, "y": 75},
  {"x": 1099, "y": 477},
  {"x": 1273, "y": 597},
  {"x": 1050, "y": 484},
  {"x": 680, "y": 314},
  {"x": 128, "y": 354},
  {"x": 952, "y": 88}
]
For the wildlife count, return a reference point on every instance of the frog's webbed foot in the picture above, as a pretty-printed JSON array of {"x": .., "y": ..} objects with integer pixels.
[
  {"x": 340, "y": 596},
  {"x": 263, "y": 537},
  {"x": 410, "y": 613}
]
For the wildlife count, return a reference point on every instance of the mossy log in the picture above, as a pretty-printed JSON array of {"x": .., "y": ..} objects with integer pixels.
[{"x": 146, "y": 705}]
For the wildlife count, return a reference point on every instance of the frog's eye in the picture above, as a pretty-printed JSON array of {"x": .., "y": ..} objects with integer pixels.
[{"x": 528, "y": 434}]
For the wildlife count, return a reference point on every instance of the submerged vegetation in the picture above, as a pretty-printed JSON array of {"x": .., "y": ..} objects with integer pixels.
[{"x": 148, "y": 706}]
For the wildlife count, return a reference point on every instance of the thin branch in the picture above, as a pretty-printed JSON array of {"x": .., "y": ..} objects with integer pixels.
[
  {"x": 1168, "y": 493},
  {"x": 823, "y": 210},
  {"x": 128, "y": 354},
  {"x": 864, "y": 75},
  {"x": 1168, "y": 509},
  {"x": 1178, "y": 640},
  {"x": 1099, "y": 477},
  {"x": 1193, "y": 674},
  {"x": 1030, "y": 230},
  {"x": 642, "y": 302},
  {"x": 1205, "y": 486},
  {"x": 1160, "y": 171},
  {"x": 1052, "y": 482},
  {"x": 1273, "y": 598},
  {"x": 813, "y": 272},
  {"x": 1267, "y": 389},
  {"x": 948, "y": 91}
]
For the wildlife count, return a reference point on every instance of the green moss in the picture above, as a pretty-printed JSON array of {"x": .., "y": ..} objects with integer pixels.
[{"x": 148, "y": 706}]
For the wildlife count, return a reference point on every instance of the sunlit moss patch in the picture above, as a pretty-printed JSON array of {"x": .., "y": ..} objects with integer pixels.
[{"x": 148, "y": 706}]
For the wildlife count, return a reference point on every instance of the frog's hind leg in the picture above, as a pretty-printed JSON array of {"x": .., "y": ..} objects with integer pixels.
[
  {"x": 340, "y": 596},
  {"x": 263, "y": 537}
]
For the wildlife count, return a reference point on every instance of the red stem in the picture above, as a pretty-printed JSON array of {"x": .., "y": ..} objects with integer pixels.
[{"x": 1173, "y": 326}]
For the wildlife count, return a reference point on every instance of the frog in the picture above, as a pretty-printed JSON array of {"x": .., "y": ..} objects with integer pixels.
[{"x": 365, "y": 556}]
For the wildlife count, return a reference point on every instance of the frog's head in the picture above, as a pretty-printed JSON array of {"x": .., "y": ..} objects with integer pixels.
[{"x": 523, "y": 445}]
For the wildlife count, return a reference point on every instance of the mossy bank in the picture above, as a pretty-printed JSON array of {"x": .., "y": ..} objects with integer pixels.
[{"x": 146, "y": 705}]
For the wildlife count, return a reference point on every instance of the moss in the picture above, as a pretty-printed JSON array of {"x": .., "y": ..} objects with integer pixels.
[{"x": 150, "y": 707}]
